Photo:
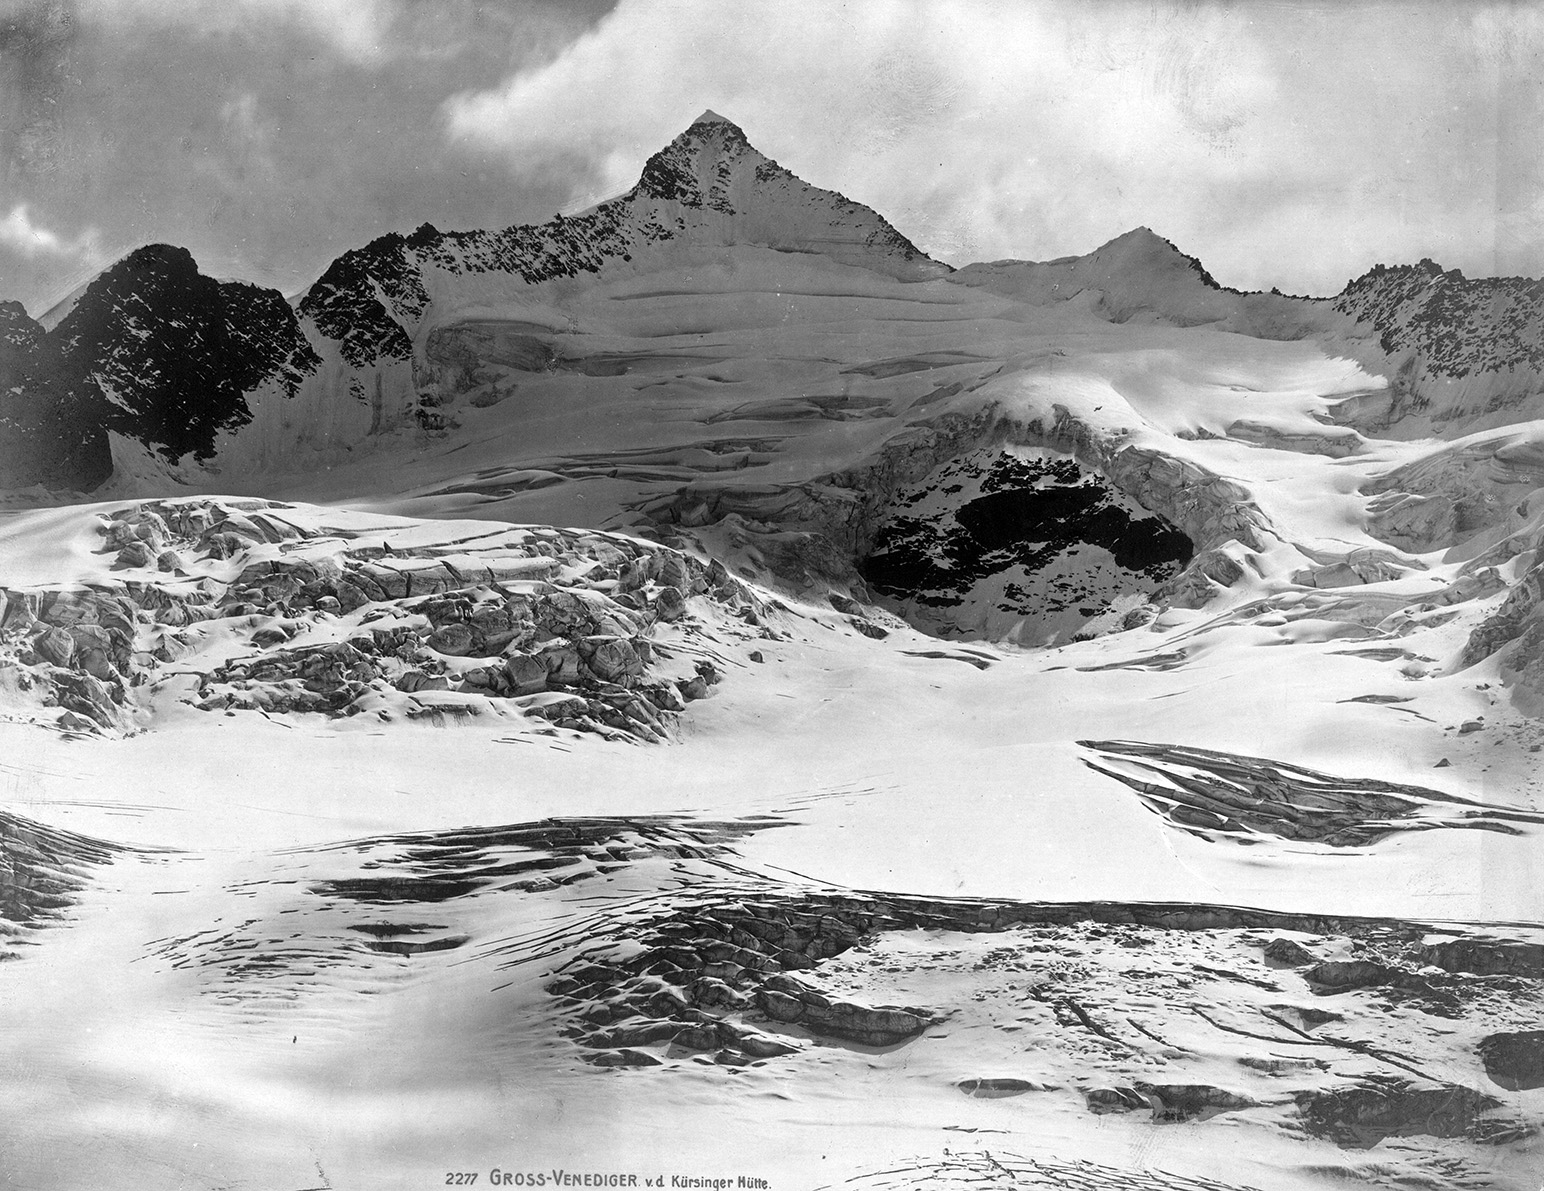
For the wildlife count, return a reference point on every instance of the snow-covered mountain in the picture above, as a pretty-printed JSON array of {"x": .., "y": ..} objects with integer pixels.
[
  {"x": 363, "y": 354},
  {"x": 728, "y": 357},
  {"x": 702, "y": 669},
  {"x": 708, "y": 188}
]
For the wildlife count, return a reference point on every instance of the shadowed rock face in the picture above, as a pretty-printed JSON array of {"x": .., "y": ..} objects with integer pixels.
[
  {"x": 153, "y": 350},
  {"x": 50, "y": 432},
  {"x": 174, "y": 353},
  {"x": 1041, "y": 538}
]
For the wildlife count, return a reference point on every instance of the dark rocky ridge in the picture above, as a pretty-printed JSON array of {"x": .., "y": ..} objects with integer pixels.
[
  {"x": 153, "y": 350},
  {"x": 1457, "y": 350},
  {"x": 1456, "y": 325},
  {"x": 174, "y": 352}
]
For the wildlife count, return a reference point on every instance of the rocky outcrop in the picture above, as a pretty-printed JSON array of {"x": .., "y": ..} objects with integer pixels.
[
  {"x": 1360, "y": 1117},
  {"x": 1459, "y": 349},
  {"x": 1223, "y": 795},
  {"x": 174, "y": 353},
  {"x": 50, "y": 430},
  {"x": 1515, "y": 1060},
  {"x": 42, "y": 869},
  {"x": 997, "y": 535},
  {"x": 1180, "y": 529},
  {"x": 152, "y": 350},
  {"x": 1218, "y": 515}
]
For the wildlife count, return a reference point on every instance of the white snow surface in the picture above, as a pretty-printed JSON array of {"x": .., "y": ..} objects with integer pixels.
[{"x": 880, "y": 768}]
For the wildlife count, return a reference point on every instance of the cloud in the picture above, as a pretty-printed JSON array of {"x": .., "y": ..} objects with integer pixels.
[
  {"x": 970, "y": 125},
  {"x": 359, "y": 30},
  {"x": 29, "y": 240},
  {"x": 1037, "y": 129},
  {"x": 1284, "y": 144},
  {"x": 371, "y": 33}
]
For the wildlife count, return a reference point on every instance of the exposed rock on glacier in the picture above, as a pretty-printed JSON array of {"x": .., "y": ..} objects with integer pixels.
[
  {"x": 1515, "y": 1060},
  {"x": 1363, "y": 1116},
  {"x": 1024, "y": 536},
  {"x": 1214, "y": 794},
  {"x": 42, "y": 869}
]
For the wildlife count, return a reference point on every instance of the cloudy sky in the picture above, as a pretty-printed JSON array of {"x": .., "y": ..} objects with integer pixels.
[{"x": 1284, "y": 143}]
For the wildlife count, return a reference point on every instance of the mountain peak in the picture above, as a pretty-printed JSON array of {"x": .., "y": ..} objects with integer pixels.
[
  {"x": 709, "y": 188},
  {"x": 716, "y": 187},
  {"x": 1144, "y": 250},
  {"x": 1142, "y": 239}
]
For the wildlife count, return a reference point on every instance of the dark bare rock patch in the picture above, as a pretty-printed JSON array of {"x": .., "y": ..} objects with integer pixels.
[
  {"x": 1515, "y": 1060},
  {"x": 43, "y": 869},
  {"x": 1044, "y": 539},
  {"x": 1214, "y": 794},
  {"x": 1361, "y": 1116}
]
